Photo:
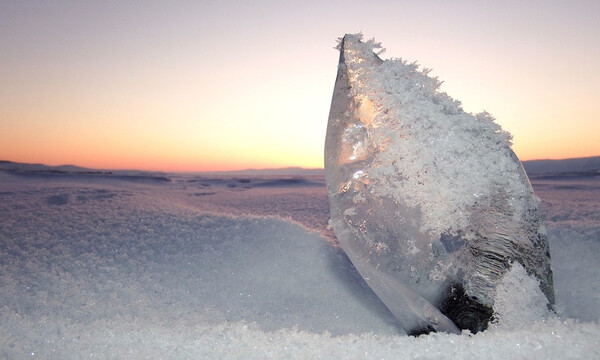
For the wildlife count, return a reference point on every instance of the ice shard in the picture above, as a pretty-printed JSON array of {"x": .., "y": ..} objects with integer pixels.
[{"x": 429, "y": 202}]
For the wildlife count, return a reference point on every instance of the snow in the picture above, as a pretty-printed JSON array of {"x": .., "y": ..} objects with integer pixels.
[
  {"x": 100, "y": 266},
  {"x": 519, "y": 300}
]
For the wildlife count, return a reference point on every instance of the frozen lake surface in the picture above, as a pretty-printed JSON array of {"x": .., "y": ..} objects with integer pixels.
[{"x": 140, "y": 265}]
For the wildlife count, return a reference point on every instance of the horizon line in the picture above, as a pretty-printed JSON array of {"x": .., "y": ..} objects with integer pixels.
[{"x": 232, "y": 170}]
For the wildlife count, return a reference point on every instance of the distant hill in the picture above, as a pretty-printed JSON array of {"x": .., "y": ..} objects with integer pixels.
[
  {"x": 576, "y": 165},
  {"x": 14, "y": 166},
  {"x": 587, "y": 164},
  {"x": 69, "y": 170}
]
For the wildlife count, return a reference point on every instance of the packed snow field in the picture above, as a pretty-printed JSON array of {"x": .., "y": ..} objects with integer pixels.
[{"x": 194, "y": 266}]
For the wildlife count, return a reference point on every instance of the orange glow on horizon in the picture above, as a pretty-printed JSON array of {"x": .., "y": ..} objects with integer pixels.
[
  {"x": 182, "y": 161},
  {"x": 155, "y": 157}
]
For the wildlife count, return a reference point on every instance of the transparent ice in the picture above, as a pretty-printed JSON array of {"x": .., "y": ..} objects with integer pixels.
[{"x": 428, "y": 201}]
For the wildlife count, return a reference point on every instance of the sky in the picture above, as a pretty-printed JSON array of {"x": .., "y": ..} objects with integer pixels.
[{"x": 227, "y": 85}]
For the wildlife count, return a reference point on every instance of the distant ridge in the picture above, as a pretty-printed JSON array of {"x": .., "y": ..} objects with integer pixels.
[
  {"x": 69, "y": 170},
  {"x": 14, "y": 166},
  {"x": 575, "y": 165}
]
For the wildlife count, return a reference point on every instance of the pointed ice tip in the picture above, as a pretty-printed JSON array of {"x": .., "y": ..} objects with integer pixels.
[
  {"x": 352, "y": 46},
  {"x": 348, "y": 37},
  {"x": 352, "y": 38}
]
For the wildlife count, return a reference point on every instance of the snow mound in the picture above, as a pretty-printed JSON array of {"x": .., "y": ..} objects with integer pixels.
[{"x": 519, "y": 300}]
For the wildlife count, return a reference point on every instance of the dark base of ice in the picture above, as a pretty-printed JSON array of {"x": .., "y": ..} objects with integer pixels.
[
  {"x": 421, "y": 331},
  {"x": 465, "y": 311}
]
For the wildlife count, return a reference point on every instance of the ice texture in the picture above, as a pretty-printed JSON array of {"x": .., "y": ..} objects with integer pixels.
[{"x": 429, "y": 202}]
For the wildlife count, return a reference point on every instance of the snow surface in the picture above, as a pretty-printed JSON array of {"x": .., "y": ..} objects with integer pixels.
[{"x": 99, "y": 266}]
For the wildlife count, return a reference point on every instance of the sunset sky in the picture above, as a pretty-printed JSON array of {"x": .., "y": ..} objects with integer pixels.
[{"x": 225, "y": 85}]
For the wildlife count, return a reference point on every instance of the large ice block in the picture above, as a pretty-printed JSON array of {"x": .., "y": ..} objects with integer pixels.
[{"x": 429, "y": 202}]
